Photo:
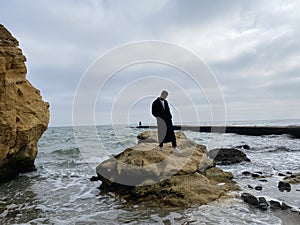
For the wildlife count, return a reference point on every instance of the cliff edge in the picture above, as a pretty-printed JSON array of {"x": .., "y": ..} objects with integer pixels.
[{"x": 24, "y": 116}]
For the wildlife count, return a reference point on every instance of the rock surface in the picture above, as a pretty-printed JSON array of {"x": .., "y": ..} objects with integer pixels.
[
  {"x": 227, "y": 156},
  {"x": 24, "y": 116},
  {"x": 293, "y": 178},
  {"x": 144, "y": 174},
  {"x": 284, "y": 186},
  {"x": 263, "y": 204}
]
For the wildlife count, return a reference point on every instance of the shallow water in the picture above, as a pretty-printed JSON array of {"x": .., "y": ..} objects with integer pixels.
[{"x": 60, "y": 191}]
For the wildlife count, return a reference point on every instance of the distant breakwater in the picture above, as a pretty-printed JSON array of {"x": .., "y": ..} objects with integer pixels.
[{"x": 242, "y": 130}]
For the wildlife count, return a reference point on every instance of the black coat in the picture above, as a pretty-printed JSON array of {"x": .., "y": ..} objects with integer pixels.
[{"x": 164, "y": 121}]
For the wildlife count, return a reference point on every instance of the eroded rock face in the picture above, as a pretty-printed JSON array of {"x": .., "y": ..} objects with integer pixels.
[
  {"x": 24, "y": 116},
  {"x": 144, "y": 174}
]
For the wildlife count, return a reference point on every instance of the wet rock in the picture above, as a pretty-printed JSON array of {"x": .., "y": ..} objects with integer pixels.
[
  {"x": 250, "y": 199},
  {"x": 263, "y": 204},
  {"x": 263, "y": 180},
  {"x": 250, "y": 187},
  {"x": 258, "y": 175},
  {"x": 228, "y": 156},
  {"x": 246, "y": 173},
  {"x": 144, "y": 174},
  {"x": 284, "y": 186},
  {"x": 285, "y": 206},
  {"x": 281, "y": 175},
  {"x": 258, "y": 188},
  {"x": 275, "y": 204},
  {"x": 94, "y": 178},
  {"x": 247, "y": 147},
  {"x": 255, "y": 175}
]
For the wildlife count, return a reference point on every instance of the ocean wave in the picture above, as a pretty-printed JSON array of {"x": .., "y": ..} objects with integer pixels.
[
  {"x": 281, "y": 149},
  {"x": 68, "y": 151}
]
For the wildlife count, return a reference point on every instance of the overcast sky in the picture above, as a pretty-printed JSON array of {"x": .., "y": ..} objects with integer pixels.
[{"x": 251, "y": 47}]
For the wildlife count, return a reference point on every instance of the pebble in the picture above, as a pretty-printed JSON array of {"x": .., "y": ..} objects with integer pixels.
[
  {"x": 263, "y": 180},
  {"x": 258, "y": 188}
]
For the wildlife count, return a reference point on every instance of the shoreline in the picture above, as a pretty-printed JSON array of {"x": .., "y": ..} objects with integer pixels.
[{"x": 242, "y": 130}]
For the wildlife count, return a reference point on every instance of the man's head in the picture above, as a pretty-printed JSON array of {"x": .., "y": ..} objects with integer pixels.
[{"x": 164, "y": 94}]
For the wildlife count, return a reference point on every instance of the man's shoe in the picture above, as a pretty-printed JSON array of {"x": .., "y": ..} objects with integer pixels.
[
  {"x": 160, "y": 148},
  {"x": 177, "y": 150}
]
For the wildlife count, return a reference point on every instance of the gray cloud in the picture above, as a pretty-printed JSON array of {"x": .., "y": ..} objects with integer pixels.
[{"x": 251, "y": 46}]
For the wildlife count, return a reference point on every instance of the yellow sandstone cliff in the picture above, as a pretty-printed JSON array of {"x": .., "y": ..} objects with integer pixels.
[{"x": 24, "y": 116}]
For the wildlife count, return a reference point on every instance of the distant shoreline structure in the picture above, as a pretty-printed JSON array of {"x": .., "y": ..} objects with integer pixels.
[{"x": 242, "y": 130}]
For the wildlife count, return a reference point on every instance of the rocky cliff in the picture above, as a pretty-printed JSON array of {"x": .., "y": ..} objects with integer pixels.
[
  {"x": 144, "y": 174},
  {"x": 24, "y": 116}
]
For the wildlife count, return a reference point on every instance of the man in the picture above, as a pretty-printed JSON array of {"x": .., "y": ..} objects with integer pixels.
[{"x": 161, "y": 110}]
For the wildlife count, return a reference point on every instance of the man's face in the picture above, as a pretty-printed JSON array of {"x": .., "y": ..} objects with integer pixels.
[{"x": 163, "y": 97}]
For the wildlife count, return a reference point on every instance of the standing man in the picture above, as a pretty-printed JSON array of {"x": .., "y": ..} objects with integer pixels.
[{"x": 161, "y": 110}]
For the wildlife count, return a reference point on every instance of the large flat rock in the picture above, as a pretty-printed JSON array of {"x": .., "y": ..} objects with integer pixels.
[{"x": 145, "y": 174}]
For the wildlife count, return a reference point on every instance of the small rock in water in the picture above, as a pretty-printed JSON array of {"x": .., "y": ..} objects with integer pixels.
[
  {"x": 94, "y": 178},
  {"x": 246, "y": 173},
  {"x": 285, "y": 206},
  {"x": 227, "y": 156},
  {"x": 281, "y": 174},
  {"x": 289, "y": 173},
  {"x": 275, "y": 204},
  {"x": 263, "y": 180},
  {"x": 283, "y": 186},
  {"x": 258, "y": 188},
  {"x": 250, "y": 187},
  {"x": 263, "y": 204},
  {"x": 244, "y": 147},
  {"x": 250, "y": 199},
  {"x": 255, "y": 175}
]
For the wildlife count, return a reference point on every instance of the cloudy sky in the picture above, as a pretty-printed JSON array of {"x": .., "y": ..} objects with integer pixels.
[{"x": 251, "y": 49}]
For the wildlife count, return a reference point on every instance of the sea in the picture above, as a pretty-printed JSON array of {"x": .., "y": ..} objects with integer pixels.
[{"x": 60, "y": 190}]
